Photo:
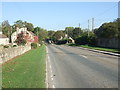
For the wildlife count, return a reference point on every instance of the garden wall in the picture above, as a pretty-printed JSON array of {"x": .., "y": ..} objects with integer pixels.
[
  {"x": 9, "y": 53},
  {"x": 109, "y": 43}
]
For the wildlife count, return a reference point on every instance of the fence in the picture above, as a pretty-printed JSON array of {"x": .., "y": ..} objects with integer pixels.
[
  {"x": 9, "y": 53},
  {"x": 110, "y": 43}
]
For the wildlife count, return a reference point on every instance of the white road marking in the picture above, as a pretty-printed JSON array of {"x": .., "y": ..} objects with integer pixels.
[
  {"x": 83, "y": 56},
  {"x": 51, "y": 70},
  {"x": 46, "y": 72},
  {"x": 48, "y": 58},
  {"x": 53, "y": 86},
  {"x": 52, "y": 79},
  {"x": 50, "y": 66},
  {"x": 46, "y": 49}
]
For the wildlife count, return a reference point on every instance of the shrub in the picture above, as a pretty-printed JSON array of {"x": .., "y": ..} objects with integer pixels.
[
  {"x": 62, "y": 41},
  {"x": 33, "y": 45},
  {"x": 6, "y": 46},
  {"x": 82, "y": 40},
  {"x": 92, "y": 40},
  {"x": 85, "y": 39},
  {"x": 14, "y": 45}
]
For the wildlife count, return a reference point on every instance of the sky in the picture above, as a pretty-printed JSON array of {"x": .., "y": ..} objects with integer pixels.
[{"x": 58, "y": 15}]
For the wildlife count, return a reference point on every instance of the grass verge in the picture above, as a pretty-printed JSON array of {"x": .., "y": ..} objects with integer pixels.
[
  {"x": 25, "y": 71},
  {"x": 97, "y": 48}
]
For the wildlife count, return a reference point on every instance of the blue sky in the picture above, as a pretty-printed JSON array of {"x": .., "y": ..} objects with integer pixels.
[{"x": 58, "y": 15}]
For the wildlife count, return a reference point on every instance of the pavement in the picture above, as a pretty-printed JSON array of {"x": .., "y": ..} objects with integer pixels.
[{"x": 71, "y": 67}]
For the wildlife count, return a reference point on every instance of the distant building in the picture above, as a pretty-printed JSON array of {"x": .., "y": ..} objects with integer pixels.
[
  {"x": 27, "y": 35},
  {"x": 4, "y": 40}
]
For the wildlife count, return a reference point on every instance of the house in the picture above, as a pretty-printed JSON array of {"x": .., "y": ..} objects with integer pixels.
[
  {"x": 4, "y": 40},
  {"x": 27, "y": 35}
]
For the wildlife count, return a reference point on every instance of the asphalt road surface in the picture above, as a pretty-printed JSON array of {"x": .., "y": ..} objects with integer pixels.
[{"x": 72, "y": 67}]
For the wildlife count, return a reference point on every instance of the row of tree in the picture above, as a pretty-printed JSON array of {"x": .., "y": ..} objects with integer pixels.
[
  {"x": 8, "y": 29},
  {"x": 81, "y": 36}
]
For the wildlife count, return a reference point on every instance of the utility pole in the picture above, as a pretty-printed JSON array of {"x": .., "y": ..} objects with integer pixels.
[
  {"x": 67, "y": 36},
  {"x": 88, "y": 27},
  {"x": 79, "y": 29},
  {"x": 93, "y": 25}
]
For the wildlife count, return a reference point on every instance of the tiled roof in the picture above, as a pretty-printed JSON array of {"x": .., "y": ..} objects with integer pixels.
[{"x": 3, "y": 36}]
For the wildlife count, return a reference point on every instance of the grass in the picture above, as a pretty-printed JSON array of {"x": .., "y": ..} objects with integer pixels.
[
  {"x": 97, "y": 48},
  {"x": 25, "y": 71}
]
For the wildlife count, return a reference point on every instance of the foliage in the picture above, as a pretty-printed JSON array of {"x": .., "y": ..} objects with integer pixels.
[
  {"x": 20, "y": 24},
  {"x": 108, "y": 30},
  {"x": 64, "y": 41},
  {"x": 76, "y": 32},
  {"x": 58, "y": 35},
  {"x": 82, "y": 40},
  {"x": 50, "y": 34},
  {"x": 69, "y": 31},
  {"x": 29, "y": 26},
  {"x": 92, "y": 39},
  {"x": 20, "y": 39},
  {"x": 85, "y": 39},
  {"x": 41, "y": 33},
  {"x": 6, "y": 28},
  {"x": 6, "y": 46},
  {"x": 33, "y": 45},
  {"x": 14, "y": 45}
]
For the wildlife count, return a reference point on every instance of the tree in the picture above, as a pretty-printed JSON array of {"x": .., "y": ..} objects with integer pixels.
[
  {"x": 50, "y": 34},
  {"x": 76, "y": 32},
  {"x": 69, "y": 31},
  {"x": 7, "y": 29},
  {"x": 107, "y": 30},
  {"x": 19, "y": 24},
  {"x": 58, "y": 34},
  {"x": 29, "y": 26},
  {"x": 42, "y": 35},
  {"x": 85, "y": 39}
]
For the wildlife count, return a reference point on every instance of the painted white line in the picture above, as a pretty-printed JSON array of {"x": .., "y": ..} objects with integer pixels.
[
  {"x": 46, "y": 49},
  {"x": 48, "y": 62},
  {"x": 83, "y": 56},
  {"x": 46, "y": 75},
  {"x": 53, "y": 86},
  {"x": 51, "y": 76},
  {"x": 52, "y": 79},
  {"x": 50, "y": 66},
  {"x": 51, "y": 71},
  {"x": 48, "y": 59}
]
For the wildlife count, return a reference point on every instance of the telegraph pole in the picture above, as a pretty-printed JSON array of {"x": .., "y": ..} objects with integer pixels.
[
  {"x": 79, "y": 29},
  {"x": 67, "y": 36},
  {"x": 93, "y": 25},
  {"x": 88, "y": 27}
]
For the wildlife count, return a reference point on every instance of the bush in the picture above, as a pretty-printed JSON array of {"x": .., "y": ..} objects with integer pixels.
[
  {"x": 33, "y": 45},
  {"x": 14, "y": 45},
  {"x": 6, "y": 46},
  {"x": 85, "y": 39},
  {"x": 62, "y": 41},
  {"x": 92, "y": 40},
  {"x": 82, "y": 40}
]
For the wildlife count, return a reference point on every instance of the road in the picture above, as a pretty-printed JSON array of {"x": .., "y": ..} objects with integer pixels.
[{"x": 72, "y": 67}]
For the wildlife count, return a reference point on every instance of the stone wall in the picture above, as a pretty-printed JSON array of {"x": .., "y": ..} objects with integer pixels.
[
  {"x": 110, "y": 43},
  {"x": 9, "y": 53}
]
